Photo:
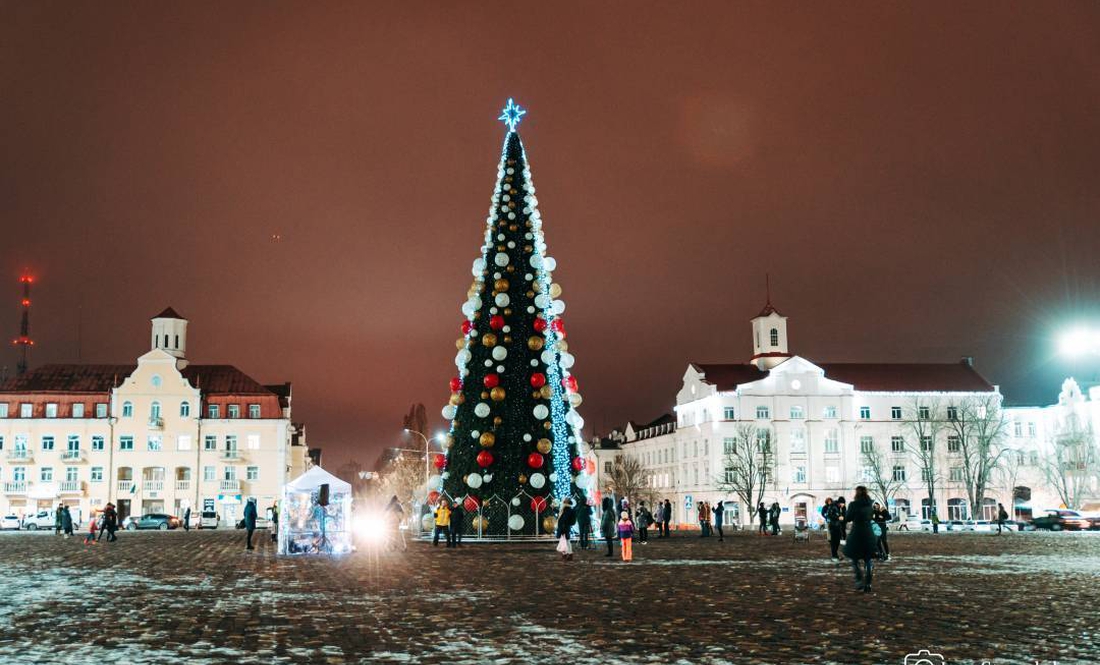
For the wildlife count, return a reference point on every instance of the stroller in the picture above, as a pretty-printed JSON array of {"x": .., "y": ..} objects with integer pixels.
[{"x": 801, "y": 530}]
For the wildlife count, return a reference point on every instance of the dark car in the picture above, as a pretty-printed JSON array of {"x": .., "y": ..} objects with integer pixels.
[
  {"x": 1058, "y": 520},
  {"x": 153, "y": 521}
]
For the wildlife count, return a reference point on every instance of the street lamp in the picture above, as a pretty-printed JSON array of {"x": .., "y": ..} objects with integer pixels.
[
  {"x": 1079, "y": 342},
  {"x": 427, "y": 459}
]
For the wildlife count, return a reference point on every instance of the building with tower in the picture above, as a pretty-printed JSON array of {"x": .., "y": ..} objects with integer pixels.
[{"x": 156, "y": 436}]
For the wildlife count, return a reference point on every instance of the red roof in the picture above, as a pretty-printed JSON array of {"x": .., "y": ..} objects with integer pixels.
[
  {"x": 169, "y": 313},
  {"x": 768, "y": 309},
  {"x": 210, "y": 379},
  {"x": 879, "y": 377}
]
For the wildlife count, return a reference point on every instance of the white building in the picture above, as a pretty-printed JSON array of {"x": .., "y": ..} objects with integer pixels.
[
  {"x": 160, "y": 435},
  {"x": 818, "y": 419}
]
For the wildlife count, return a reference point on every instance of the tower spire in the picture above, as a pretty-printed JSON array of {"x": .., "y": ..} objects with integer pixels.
[
  {"x": 768, "y": 289},
  {"x": 24, "y": 340}
]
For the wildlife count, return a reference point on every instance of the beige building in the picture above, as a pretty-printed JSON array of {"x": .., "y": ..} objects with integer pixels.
[{"x": 157, "y": 436}]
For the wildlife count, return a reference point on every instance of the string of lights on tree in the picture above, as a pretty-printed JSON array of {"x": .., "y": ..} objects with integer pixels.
[{"x": 513, "y": 406}]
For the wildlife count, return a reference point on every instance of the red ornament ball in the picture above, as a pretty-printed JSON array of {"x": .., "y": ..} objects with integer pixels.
[
  {"x": 496, "y": 322},
  {"x": 538, "y": 504},
  {"x": 578, "y": 463},
  {"x": 491, "y": 380},
  {"x": 540, "y": 324},
  {"x": 467, "y": 326},
  {"x": 535, "y": 460},
  {"x": 471, "y": 504},
  {"x": 557, "y": 326},
  {"x": 433, "y": 497},
  {"x": 538, "y": 380},
  {"x": 569, "y": 383},
  {"x": 456, "y": 384},
  {"x": 485, "y": 458},
  {"x": 440, "y": 460}
]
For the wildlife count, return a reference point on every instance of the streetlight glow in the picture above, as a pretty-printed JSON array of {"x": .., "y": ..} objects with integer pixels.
[{"x": 1079, "y": 342}]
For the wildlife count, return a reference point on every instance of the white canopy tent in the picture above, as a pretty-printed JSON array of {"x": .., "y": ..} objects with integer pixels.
[{"x": 306, "y": 527}]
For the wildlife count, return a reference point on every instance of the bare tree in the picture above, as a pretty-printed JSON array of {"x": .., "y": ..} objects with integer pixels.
[
  {"x": 980, "y": 425},
  {"x": 923, "y": 425},
  {"x": 1073, "y": 467},
  {"x": 628, "y": 479},
  {"x": 879, "y": 472},
  {"x": 1009, "y": 474},
  {"x": 749, "y": 465},
  {"x": 401, "y": 476}
]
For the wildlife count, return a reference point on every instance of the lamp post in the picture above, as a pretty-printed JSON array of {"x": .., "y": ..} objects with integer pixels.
[{"x": 427, "y": 451}]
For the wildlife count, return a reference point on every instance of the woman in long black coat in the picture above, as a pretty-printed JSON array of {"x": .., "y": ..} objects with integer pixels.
[
  {"x": 608, "y": 523},
  {"x": 861, "y": 544}
]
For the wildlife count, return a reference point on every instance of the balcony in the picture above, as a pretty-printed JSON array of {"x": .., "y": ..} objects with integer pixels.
[
  {"x": 152, "y": 485},
  {"x": 125, "y": 485},
  {"x": 16, "y": 487},
  {"x": 229, "y": 485},
  {"x": 20, "y": 455},
  {"x": 231, "y": 455},
  {"x": 72, "y": 456},
  {"x": 156, "y": 423},
  {"x": 183, "y": 485},
  {"x": 72, "y": 487}
]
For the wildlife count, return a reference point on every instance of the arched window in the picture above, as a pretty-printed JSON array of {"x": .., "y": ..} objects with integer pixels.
[
  {"x": 166, "y": 341},
  {"x": 154, "y": 410},
  {"x": 127, "y": 409},
  {"x": 177, "y": 342},
  {"x": 185, "y": 409},
  {"x": 775, "y": 337}
]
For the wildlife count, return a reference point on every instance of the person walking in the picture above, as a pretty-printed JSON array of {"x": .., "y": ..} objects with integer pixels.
[
  {"x": 831, "y": 513},
  {"x": 607, "y": 524},
  {"x": 666, "y": 516},
  {"x": 626, "y": 535},
  {"x": 584, "y": 524},
  {"x": 187, "y": 519},
  {"x": 699, "y": 518},
  {"x": 394, "y": 516},
  {"x": 719, "y": 510},
  {"x": 881, "y": 517},
  {"x": 1002, "y": 515},
  {"x": 841, "y": 504},
  {"x": 274, "y": 522},
  {"x": 860, "y": 544},
  {"x": 57, "y": 519},
  {"x": 249, "y": 523},
  {"x": 66, "y": 522},
  {"x": 93, "y": 526},
  {"x": 442, "y": 524},
  {"x": 643, "y": 517},
  {"x": 566, "y": 519},
  {"x": 762, "y": 515},
  {"x": 708, "y": 516},
  {"x": 773, "y": 517},
  {"x": 935, "y": 522},
  {"x": 458, "y": 524},
  {"x": 109, "y": 524}
]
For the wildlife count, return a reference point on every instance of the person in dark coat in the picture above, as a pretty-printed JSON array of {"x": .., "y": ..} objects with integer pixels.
[
  {"x": 584, "y": 524},
  {"x": 666, "y": 516},
  {"x": 841, "y": 504},
  {"x": 66, "y": 521},
  {"x": 642, "y": 519},
  {"x": 187, "y": 519},
  {"x": 1002, "y": 515},
  {"x": 831, "y": 514},
  {"x": 566, "y": 519},
  {"x": 458, "y": 523},
  {"x": 250, "y": 522},
  {"x": 110, "y": 523},
  {"x": 773, "y": 517},
  {"x": 718, "y": 511},
  {"x": 881, "y": 517},
  {"x": 861, "y": 543},
  {"x": 608, "y": 524},
  {"x": 762, "y": 515},
  {"x": 57, "y": 519}
]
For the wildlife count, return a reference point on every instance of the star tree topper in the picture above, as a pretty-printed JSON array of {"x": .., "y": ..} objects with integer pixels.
[{"x": 512, "y": 114}]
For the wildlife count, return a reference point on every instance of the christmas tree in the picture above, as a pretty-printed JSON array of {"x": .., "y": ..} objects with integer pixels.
[{"x": 515, "y": 431}]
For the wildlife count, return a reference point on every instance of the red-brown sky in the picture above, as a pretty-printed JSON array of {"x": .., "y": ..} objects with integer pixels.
[{"x": 921, "y": 181}]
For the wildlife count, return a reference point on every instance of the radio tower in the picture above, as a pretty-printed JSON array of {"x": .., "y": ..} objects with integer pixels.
[{"x": 24, "y": 339}]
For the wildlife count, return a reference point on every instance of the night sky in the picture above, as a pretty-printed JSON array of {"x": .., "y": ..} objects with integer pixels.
[{"x": 922, "y": 183}]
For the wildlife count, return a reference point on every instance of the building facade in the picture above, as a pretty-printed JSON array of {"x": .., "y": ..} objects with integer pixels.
[
  {"x": 828, "y": 427},
  {"x": 157, "y": 436}
]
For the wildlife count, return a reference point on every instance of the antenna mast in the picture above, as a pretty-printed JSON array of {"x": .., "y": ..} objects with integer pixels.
[{"x": 24, "y": 341}]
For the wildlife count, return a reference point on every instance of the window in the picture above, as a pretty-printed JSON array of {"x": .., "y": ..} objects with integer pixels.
[
  {"x": 899, "y": 473},
  {"x": 26, "y": 410},
  {"x": 774, "y": 337},
  {"x": 798, "y": 441},
  {"x": 956, "y": 474},
  {"x": 97, "y": 474},
  {"x": 252, "y": 473},
  {"x": 19, "y": 474},
  {"x": 926, "y": 444},
  {"x": 20, "y": 441},
  {"x": 796, "y": 413},
  {"x": 830, "y": 412},
  {"x": 72, "y": 474},
  {"x": 78, "y": 410},
  {"x": 897, "y": 444},
  {"x": 97, "y": 442},
  {"x": 208, "y": 473},
  {"x": 253, "y": 410},
  {"x": 832, "y": 474},
  {"x": 155, "y": 443},
  {"x": 763, "y": 441},
  {"x": 229, "y": 473},
  {"x": 233, "y": 411},
  {"x": 47, "y": 442},
  {"x": 1031, "y": 429},
  {"x": 154, "y": 411},
  {"x": 762, "y": 413},
  {"x": 212, "y": 411},
  {"x": 728, "y": 444},
  {"x": 925, "y": 475},
  {"x": 866, "y": 474},
  {"x": 953, "y": 444},
  {"x": 51, "y": 410},
  {"x": 730, "y": 475},
  {"x": 125, "y": 443},
  {"x": 952, "y": 413},
  {"x": 210, "y": 442},
  {"x": 127, "y": 409},
  {"x": 1018, "y": 429},
  {"x": 183, "y": 442},
  {"x": 1, "y": 442},
  {"x": 230, "y": 441},
  {"x": 72, "y": 444},
  {"x": 832, "y": 444},
  {"x": 895, "y": 413},
  {"x": 46, "y": 475},
  {"x": 185, "y": 409},
  {"x": 101, "y": 410},
  {"x": 798, "y": 475},
  {"x": 864, "y": 413},
  {"x": 866, "y": 444},
  {"x": 4, "y": 410},
  {"x": 728, "y": 413},
  {"x": 924, "y": 413},
  {"x": 706, "y": 445}
]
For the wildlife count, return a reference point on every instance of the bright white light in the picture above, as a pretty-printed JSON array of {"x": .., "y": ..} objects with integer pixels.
[
  {"x": 512, "y": 114},
  {"x": 1079, "y": 342},
  {"x": 372, "y": 528}
]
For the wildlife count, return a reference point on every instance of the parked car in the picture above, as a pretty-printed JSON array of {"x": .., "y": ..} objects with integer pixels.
[
  {"x": 914, "y": 523},
  {"x": 43, "y": 519},
  {"x": 153, "y": 521},
  {"x": 9, "y": 522},
  {"x": 1061, "y": 519},
  {"x": 955, "y": 525},
  {"x": 261, "y": 523},
  {"x": 209, "y": 520}
]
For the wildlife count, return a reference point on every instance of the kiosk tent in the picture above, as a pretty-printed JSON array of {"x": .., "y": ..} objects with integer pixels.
[{"x": 307, "y": 527}]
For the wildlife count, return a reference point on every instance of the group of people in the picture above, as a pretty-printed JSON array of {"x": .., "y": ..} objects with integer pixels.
[
  {"x": 105, "y": 522},
  {"x": 862, "y": 528},
  {"x": 63, "y": 521},
  {"x": 710, "y": 519},
  {"x": 769, "y": 518}
]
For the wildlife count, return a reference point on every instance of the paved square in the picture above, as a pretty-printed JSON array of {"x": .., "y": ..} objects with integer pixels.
[{"x": 198, "y": 597}]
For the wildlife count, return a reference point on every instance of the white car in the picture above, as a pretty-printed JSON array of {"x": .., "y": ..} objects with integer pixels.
[
  {"x": 914, "y": 523},
  {"x": 9, "y": 522},
  {"x": 209, "y": 520},
  {"x": 43, "y": 519}
]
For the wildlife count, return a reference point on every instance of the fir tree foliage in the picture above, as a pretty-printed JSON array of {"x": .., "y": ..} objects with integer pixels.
[{"x": 514, "y": 424}]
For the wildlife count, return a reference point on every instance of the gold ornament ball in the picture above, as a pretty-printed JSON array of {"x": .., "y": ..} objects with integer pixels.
[
  {"x": 501, "y": 285},
  {"x": 507, "y": 311},
  {"x": 543, "y": 446},
  {"x": 457, "y": 398},
  {"x": 510, "y": 268},
  {"x": 489, "y": 339},
  {"x": 460, "y": 343},
  {"x": 563, "y": 345},
  {"x": 513, "y": 227},
  {"x": 546, "y": 425},
  {"x": 548, "y": 524},
  {"x": 538, "y": 287},
  {"x": 530, "y": 294},
  {"x": 535, "y": 343},
  {"x": 498, "y": 420},
  {"x": 522, "y": 478},
  {"x": 535, "y": 394},
  {"x": 507, "y": 339},
  {"x": 497, "y": 394},
  {"x": 555, "y": 290},
  {"x": 528, "y": 248},
  {"x": 484, "y": 394},
  {"x": 546, "y": 392},
  {"x": 487, "y": 440},
  {"x": 480, "y": 523}
]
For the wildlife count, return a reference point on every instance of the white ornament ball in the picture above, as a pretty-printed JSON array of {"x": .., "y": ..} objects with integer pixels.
[
  {"x": 541, "y": 301},
  {"x": 575, "y": 399},
  {"x": 515, "y": 501},
  {"x": 526, "y": 437},
  {"x": 537, "y": 480},
  {"x": 541, "y": 411},
  {"x": 500, "y": 369},
  {"x": 500, "y": 353},
  {"x": 549, "y": 263},
  {"x": 506, "y": 329},
  {"x": 435, "y": 482},
  {"x": 479, "y": 266},
  {"x": 548, "y": 356},
  {"x": 501, "y": 259},
  {"x": 530, "y": 309},
  {"x": 488, "y": 363},
  {"x": 481, "y": 410},
  {"x": 475, "y": 434},
  {"x": 534, "y": 362},
  {"x": 449, "y": 412},
  {"x": 515, "y": 522},
  {"x": 502, "y": 300},
  {"x": 535, "y": 261},
  {"x": 473, "y": 480},
  {"x": 554, "y": 477},
  {"x": 567, "y": 360},
  {"x": 557, "y": 307}
]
